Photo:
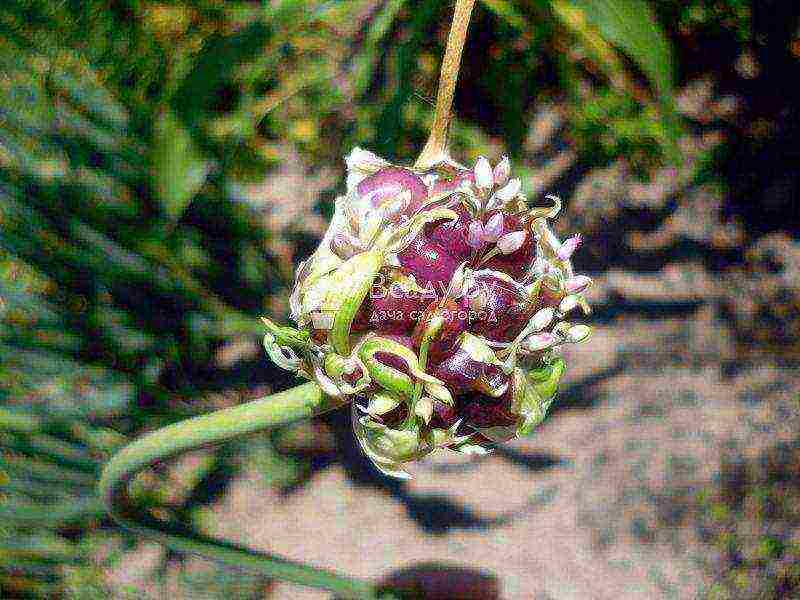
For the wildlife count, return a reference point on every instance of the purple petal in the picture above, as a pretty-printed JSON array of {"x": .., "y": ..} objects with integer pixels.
[
  {"x": 452, "y": 235},
  {"x": 428, "y": 261},
  {"x": 444, "y": 416},
  {"x": 569, "y": 246},
  {"x": 493, "y": 228},
  {"x": 485, "y": 411},
  {"x": 391, "y": 181},
  {"x": 459, "y": 372},
  {"x": 384, "y": 313},
  {"x": 506, "y": 311},
  {"x": 475, "y": 235},
  {"x": 577, "y": 284},
  {"x": 392, "y": 360}
]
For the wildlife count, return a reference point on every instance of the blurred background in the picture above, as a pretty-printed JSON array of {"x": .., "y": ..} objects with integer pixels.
[{"x": 163, "y": 167}]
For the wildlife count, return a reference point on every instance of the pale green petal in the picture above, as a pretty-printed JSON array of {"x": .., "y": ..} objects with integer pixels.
[{"x": 382, "y": 403}]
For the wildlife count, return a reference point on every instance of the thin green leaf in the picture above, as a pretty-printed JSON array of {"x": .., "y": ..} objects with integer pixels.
[
  {"x": 178, "y": 169},
  {"x": 27, "y": 514}
]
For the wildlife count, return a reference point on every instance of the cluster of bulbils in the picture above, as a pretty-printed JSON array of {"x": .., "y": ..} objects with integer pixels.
[{"x": 437, "y": 301}]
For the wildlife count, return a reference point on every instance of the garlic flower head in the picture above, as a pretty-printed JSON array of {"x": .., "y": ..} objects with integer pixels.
[{"x": 437, "y": 302}]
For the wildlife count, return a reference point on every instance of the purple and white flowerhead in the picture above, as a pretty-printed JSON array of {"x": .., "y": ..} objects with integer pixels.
[{"x": 438, "y": 302}]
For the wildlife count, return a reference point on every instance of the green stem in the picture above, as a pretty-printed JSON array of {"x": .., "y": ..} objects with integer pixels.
[
  {"x": 435, "y": 149},
  {"x": 298, "y": 403}
]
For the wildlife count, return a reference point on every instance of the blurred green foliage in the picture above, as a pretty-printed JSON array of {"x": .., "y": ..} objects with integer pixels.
[
  {"x": 697, "y": 17},
  {"x": 127, "y": 256},
  {"x": 611, "y": 124}
]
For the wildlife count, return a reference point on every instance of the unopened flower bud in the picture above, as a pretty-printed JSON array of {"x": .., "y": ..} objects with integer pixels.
[
  {"x": 509, "y": 191},
  {"x": 475, "y": 235},
  {"x": 568, "y": 304},
  {"x": 502, "y": 171},
  {"x": 543, "y": 318},
  {"x": 568, "y": 247},
  {"x": 382, "y": 403},
  {"x": 540, "y": 341},
  {"x": 484, "y": 178},
  {"x": 578, "y": 333},
  {"x": 364, "y": 160},
  {"x": 493, "y": 228},
  {"x": 360, "y": 164},
  {"x": 511, "y": 242},
  {"x": 577, "y": 284},
  {"x": 424, "y": 409}
]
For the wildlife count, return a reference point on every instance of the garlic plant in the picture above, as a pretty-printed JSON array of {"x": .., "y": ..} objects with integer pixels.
[{"x": 436, "y": 304}]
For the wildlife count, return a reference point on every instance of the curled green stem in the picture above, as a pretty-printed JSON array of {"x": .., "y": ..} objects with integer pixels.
[{"x": 298, "y": 403}]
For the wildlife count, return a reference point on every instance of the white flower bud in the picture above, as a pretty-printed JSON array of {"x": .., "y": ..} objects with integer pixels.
[
  {"x": 360, "y": 164},
  {"x": 577, "y": 284},
  {"x": 472, "y": 450},
  {"x": 502, "y": 171},
  {"x": 539, "y": 342},
  {"x": 459, "y": 282},
  {"x": 542, "y": 318},
  {"x": 511, "y": 242},
  {"x": 437, "y": 391},
  {"x": 424, "y": 409},
  {"x": 568, "y": 304},
  {"x": 380, "y": 404},
  {"x": 364, "y": 160},
  {"x": 578, "y": 333},
  {"x": 509, "y": 191},
  {"x": 484, "y": 178},
  {"x": 475, "y": 235}
]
